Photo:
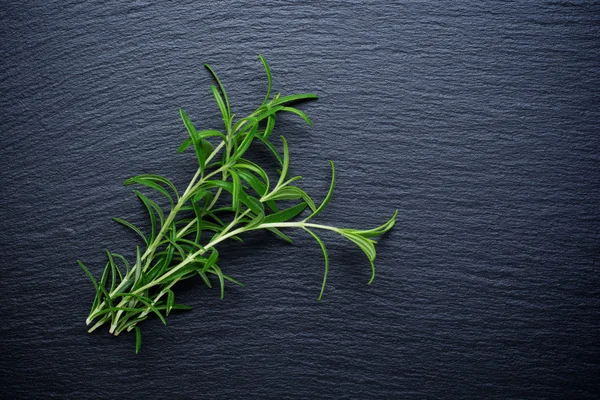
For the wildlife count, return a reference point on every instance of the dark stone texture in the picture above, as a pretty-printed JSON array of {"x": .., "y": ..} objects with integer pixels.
[{"x": 477, "y": 120}]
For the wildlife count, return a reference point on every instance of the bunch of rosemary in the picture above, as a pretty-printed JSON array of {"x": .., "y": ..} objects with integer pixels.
[{"x": 183, "y": 243}]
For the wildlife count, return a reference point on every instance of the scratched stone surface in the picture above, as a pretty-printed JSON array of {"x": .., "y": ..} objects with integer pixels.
[{"x": 478, "y": 121}]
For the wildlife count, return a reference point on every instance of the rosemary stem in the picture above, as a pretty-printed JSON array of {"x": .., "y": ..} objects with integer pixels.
[
  {"x": 219, "y": 238},
  {"x": 150, "y": 250}
]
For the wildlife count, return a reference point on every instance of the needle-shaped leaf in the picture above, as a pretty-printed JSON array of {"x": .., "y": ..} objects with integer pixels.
[
  {"x": 269, "y": 78},
  {"x": 211, "y": 260},
  {"x": 280, "y": 234},
  {"x": 170, "y": 301},
  {"x": 376, "y": 231},
  {"x": 138, "y": 339},
  {"x": 96, "y": 288},
  {"x": 133, "y": 227},
  {"x": 284, "y": 215},
  {"x": 328, "y": 196},
  {"x": 267, "y": 143},
  {"x": 217, "y": 271},
  {"x": 221, "y": 87},
  {"x": 151, "y": 214},
  {"x": 200, "y": 195},
  {"x": 293, "y": 193},
  {"x": 113, "y": 271},
  {"x": 255, "y": 221},
  {"x": 251, "y": 203},
  {"x": 156, "y": 179},
  {"x": 295, "y": 97},
  {"x": 366, "y": 245},
  {"x": 286, "y": 162},
  {"x": 299, "y": 113},
  {"x": 147, "y": 302},
  {"x": 222, "y": 107},
  {"x": 151, "y": 184},
  {"x": 318, "y": 239},
  {"x": 236, "y": 190},
  {"x": 245, "y": 143},
  {"x": 138, "y": 266},
  {"x": 205, "y": 279},
  {"x": 256, "y": 184},
  {"x": 202, "y": 135},
  {"x": 125, "y": 263},
  {"x": 196, "y": 141},
  {"x": 269, "y": 127},
  {"x": 285, "y": 193}
]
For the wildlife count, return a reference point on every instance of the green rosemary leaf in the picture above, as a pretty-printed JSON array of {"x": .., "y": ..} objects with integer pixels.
[
  {"x": 271, "y": 111},
  {"x": 182, "y": 253},
  {"x": 182, "y": 307},
  {"x": 255, "y": 221},
  {"x": 186, "y": 143},
  {"x": 269, "y": 77},
  {"x": 196, "y": 141},
  {"x": 284, "y": 215},
  {"x": 249, "y": 201},
  {"x": 236, "y": 190},
  {"x": 271, "y": 147},
  {"x": 221, "y": 87},
  {"x": 286, "y": 162},
  {"x": 147, "y": 302},
  {"x": 324, "y": 256},
  {"x": 150, "y": 214},
  {"x": 133, "y": 227},
  {"x": 211, "y": 260},
  {"x": 125, "y": 263},
  {"x": 217, "y": 271},
  {"x": 250, "y": 166},
  {"x": 138, "y": 339},
  {"x": 249, "y": 136},
  {"x": 89, "y": 274},
  {"x": 113, "y": 271},
  {"x": 299, "y": 113},
  {"x": 98, "y": 294},
  {"x": 366, "y": 245},
  {"x": 291, "y": 180},
  {"x": 306, "y": 198},
  {"x": 280, "y": 234},
  {"x": 205, "y": 279},
  {"x": 158, "y": 268},
  {"x": 329, "y": 194},
  {"x": 285, "y": 193},
  {"x": 108, "y": 300},
  {"x": 254, "y": 204},
  {"x": 295, "y": 97},
  {"x": 151, "y": 205},
  {"x": 150, "y": 184},
  {"x": 376, "y": 231},
  {"x": 138, "y": 266},
  {"x": 269, "y": 127},
  {"x": 293, "y": 193},
  {"x": 104, "y": 278},
  {"x": 153, "y": 181},
  {"x": 205, "y": 144},
  {"x": 230, "y": 279},
  {"x": 222, "y": 107},
  {"x": 259, "y": 187}
]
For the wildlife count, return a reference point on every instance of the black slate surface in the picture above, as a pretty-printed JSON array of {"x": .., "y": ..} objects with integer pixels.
[{"x": 478, "y": 121}]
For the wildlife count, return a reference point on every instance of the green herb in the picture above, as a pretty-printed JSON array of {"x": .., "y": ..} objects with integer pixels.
[{"x": 224, "y": 199}]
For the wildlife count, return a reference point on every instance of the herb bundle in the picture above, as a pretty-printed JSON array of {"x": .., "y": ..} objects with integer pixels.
[{"x": 183, "y": 242}]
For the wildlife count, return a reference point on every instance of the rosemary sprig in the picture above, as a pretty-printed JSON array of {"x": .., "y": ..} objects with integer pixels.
[{"x": 183, "y": 243}]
